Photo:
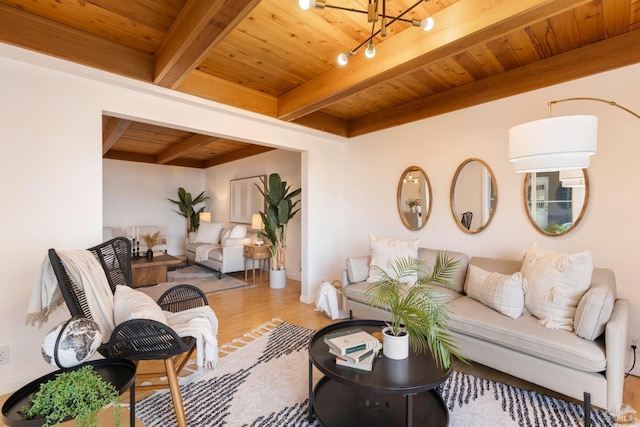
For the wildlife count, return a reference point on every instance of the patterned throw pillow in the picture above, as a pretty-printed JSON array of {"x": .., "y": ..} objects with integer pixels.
[
  {"x": 502, "y": 292},
  {"x": 384, "y": 253},
  {"x": 556, "y": 282}
]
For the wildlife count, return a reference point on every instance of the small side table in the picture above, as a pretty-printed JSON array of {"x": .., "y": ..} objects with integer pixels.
[
  {"x": 254, "y": 252},
  {"x": 119, "y": 372},
  {"x": 146, "y": 272}
]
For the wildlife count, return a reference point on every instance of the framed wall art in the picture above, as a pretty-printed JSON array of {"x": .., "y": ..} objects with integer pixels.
[{"x": 246, "y": 199}]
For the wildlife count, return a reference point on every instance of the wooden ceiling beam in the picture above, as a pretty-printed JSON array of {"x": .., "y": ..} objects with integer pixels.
[
  {"x": 225, "y": 92},
  {"x": 463, "y": 24},
  {"x": 195, "y": 141},
  {"x": 150, "y": 158},
  {"x": 201, "y": 25},
  {"x": 325, "y": 122},
  {"x": 114, "y": 130},
  {"x": 596, "y": 58},
  {"x": 251, "y": 150},
  {"x": 26, "y": 30}
]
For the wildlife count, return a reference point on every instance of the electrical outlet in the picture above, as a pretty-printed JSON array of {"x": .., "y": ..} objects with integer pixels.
[
  {"x": 4, "y": 355},
  {"x": 633, "y": 341}
]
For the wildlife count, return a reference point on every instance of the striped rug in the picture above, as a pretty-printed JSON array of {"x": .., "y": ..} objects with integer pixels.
[{"x": 262, "y": 381}]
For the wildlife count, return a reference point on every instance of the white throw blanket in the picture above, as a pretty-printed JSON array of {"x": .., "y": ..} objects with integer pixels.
[
  {"x": 202, "y": 324},
  {"x": 85, "y": 270},
  {"x": 87, "y": 273},
  {"x": 202, "y": 252}
]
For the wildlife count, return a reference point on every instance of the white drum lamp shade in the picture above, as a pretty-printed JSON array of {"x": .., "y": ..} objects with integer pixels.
[
  {"x": 572, "y": 178},
  {"x": 553, "y": 144}
]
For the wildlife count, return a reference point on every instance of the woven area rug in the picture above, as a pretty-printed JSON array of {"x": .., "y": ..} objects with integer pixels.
[
  {"x": 203, "y": 278},
  {"x": 262, "y": 381}
]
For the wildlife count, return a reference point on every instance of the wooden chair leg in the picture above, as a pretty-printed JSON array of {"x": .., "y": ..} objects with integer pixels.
[{"x": 172, "y": 379}]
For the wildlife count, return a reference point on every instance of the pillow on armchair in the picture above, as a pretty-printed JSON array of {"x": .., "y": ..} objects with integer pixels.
[{"x": 384, "y": 252}]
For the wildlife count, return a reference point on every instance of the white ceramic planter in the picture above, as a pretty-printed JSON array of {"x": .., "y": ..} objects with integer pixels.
[
  {"x": 395, "y": 347},
  {"x": 277, "y": 279}
]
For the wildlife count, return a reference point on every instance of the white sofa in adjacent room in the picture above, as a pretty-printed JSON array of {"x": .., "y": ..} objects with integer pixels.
[{"x": 220, "y": 248}]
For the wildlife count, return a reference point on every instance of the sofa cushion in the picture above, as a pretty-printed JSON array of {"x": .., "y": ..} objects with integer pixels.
[
  {"x": 191, "y": 247},
  {"x": 358, "y": 268},
  {"x": 501, "y": 292},
  {"x": 556, "y": 282},
  {"x": 209, "y": 232},
  {"x": 129, "y": 304},
  {"x": 215, "y": 254},
  {"x": 470, "y": 317},
  {"x": 457, "y": 281},
  {"x": 593, "y": 311},
  {"x": 385, "y": 251}
]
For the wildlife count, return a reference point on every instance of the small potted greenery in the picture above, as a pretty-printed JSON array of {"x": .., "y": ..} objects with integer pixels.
[
  {"x": 78, "y": 393},
  {"x": 418, "y": 311}
]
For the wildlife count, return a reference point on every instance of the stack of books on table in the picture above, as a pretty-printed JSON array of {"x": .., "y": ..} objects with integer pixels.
[{"x": 354, "y": 348}]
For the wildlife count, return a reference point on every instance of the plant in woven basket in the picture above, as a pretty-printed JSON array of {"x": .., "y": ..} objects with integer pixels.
[
  {"x": 78, "y": 394},
  {"x": 154, "y": 239}
]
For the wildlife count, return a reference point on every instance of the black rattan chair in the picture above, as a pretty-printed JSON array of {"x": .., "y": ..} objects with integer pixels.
[{"x": 138, "y": 339}]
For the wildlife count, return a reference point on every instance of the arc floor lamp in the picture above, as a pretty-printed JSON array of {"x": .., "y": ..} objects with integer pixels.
[{"x": 556, "y": 143}]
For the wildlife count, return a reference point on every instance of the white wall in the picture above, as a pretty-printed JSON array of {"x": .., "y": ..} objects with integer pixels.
[
  {"x": 51, "y": 174},
  {"x": 135, "y": 194},
  {"x": 288, "y": 165}
]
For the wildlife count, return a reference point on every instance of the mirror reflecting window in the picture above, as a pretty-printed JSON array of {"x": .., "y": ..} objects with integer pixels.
[
  {"x": 414, "y": 198},
  {"x": 556, "y": 201},
  {"x": 474, "y": 196}
]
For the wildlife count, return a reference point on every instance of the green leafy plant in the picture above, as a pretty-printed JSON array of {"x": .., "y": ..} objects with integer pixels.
[
  {"x": 418, "y": 309},
  {"x": 78, "y": 394},
  {"x": 280, "y": 209},
  {"x": 187, "y": 205}
]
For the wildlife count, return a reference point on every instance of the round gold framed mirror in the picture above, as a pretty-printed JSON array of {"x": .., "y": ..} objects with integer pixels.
[
  {"x": 559, "y": 200},
  {"x": 474, "y": 196},
  {"x": 414, "y": 198}
]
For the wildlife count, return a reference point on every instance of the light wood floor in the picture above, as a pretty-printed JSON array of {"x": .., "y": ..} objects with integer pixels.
[{"x": 240, "y": 311}]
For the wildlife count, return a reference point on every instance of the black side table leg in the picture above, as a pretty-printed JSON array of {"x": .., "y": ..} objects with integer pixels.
[
  {"x": 132, "y": 404},
  {"x": 310, "y": 416},
  {"x": 409, "y": 409}
]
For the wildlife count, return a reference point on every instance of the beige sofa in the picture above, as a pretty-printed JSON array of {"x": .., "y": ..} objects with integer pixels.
[
  {"x": 559, "y": 360},
  {"x": 220, "y": 247}
]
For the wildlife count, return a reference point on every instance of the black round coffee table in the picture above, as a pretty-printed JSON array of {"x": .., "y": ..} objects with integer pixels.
[{"x": 395, "y": 392}]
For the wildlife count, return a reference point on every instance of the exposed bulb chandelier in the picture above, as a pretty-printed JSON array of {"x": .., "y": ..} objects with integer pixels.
[{"x": 373, "y": 17}]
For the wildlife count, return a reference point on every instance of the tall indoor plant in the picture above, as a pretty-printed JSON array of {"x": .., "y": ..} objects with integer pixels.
[
  {"x": 187, "y": 205},
  {"x": 417, "y": 310},
  {"x": 280, "y": 208}
]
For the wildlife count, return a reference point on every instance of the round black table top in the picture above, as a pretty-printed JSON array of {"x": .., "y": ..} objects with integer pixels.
[
  {"x": 119, "y": 372},
  {"x": 415, "y": 374}
]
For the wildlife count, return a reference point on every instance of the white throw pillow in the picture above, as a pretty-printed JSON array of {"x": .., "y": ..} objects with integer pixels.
[
  {"x": 593, "y": 312},
  {"x": 556, "y": 282},
  {"x": 384, "y": 253},
  {"x": 209, "y": 232},
  {"x": 238, "y": 232},
  {"x": 502, "y": 292},
  {"x": 129, "y": 304}
]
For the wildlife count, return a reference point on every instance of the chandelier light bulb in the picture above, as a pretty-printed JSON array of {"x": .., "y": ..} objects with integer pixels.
[
  {"x": 306, "y": 4},
  {"x": 370, "y": 52},
  {"x": 427, "y": 24}
]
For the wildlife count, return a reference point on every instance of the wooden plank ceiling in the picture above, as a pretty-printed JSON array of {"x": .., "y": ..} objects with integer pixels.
[{"x": 273, "y": 58}]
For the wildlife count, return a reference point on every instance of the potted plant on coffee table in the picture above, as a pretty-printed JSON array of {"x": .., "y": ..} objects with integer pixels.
[
  {"x": 418, "y": 311},
  {"x": 280, "y": 209}
]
